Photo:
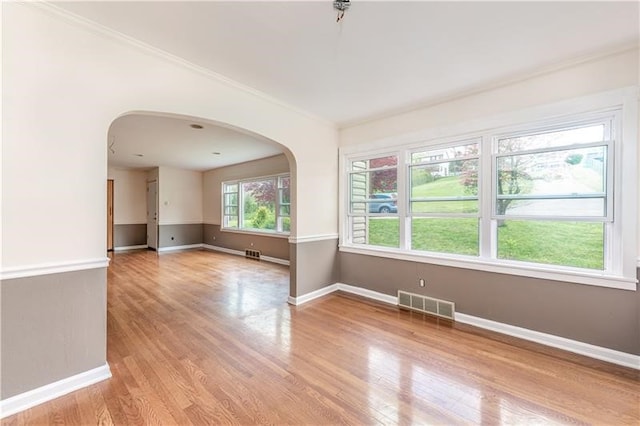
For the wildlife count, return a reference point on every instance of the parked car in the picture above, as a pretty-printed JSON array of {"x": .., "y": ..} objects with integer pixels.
[{"x": 387, "y": 203}]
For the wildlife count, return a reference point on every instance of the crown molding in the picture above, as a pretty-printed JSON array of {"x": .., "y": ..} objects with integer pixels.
[{"x": 174, "y": 59}]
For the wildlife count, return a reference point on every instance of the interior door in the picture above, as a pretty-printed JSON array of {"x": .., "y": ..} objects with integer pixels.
[
  {"x": 152, "y": 214},
  {"x": 109, "y": 214}
]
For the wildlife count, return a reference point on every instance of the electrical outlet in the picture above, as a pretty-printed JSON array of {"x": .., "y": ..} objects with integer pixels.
[{"x": 421, "y": 282}]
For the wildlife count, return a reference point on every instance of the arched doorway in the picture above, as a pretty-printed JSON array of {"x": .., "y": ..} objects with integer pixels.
[{"x": 170, "y": 172}]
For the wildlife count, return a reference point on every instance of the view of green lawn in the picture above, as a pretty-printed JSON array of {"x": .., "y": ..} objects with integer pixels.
[
  {"x": 443, "y": 187},
  {"x": 578, "y": 244}
]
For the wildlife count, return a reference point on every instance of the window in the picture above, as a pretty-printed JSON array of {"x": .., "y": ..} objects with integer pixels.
[
  {"x": 542, "y": 199},
  {"x": 261, "y": 204},
  {"x": 443, "y": 199},
  {"x": 552, "y": 197},
  {"x": 373, "y": 208}
]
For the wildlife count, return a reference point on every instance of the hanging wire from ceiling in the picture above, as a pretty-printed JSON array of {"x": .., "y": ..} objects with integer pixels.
[{"x": 341, "y": 6}]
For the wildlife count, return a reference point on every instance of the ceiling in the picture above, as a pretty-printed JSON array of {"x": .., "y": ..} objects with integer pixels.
[
  {"x": 383, "y": 57},
  {"x": 143, "y": 141}
]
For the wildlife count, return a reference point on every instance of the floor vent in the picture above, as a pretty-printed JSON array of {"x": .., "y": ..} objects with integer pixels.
[
  {"x": 252, "y": 254},
  {"x": 425, "y": 304}
]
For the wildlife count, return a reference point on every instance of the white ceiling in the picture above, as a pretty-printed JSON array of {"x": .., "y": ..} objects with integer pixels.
[
  {"x": 170, "y": 141},
  {"x": 383, "y": 57}
]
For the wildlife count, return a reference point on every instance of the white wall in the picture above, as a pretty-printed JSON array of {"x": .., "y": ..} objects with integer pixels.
[
  {"x": 213, "y": 180},
  {"x": 129, "y": 193},
  {"x": 64, "y": 86},
  {"x": 179, "y": 196},
  {"x": 611, "y": 72},
  {"x": 597, "y": 75}
]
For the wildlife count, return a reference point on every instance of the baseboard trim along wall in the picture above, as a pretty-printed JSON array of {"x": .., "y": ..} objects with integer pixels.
[
  {"x": 174, "y": 248},
  {"x": 241, "y": 253},
  {"x": 54, "y": 390},
  {"x": 223, "y": 250},
  {"x": 53, "y": 268},
  {"x": 574, "y": 346},
  {"x": 142, "y": 246},
  {"x": 592, "y": 351}
]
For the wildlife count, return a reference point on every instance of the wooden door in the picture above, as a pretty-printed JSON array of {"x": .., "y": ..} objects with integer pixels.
[{"x": 109, "y": 214}]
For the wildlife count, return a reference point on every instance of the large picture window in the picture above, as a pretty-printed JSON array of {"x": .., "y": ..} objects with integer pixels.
[
  {"x": 536, "y": 198},
  {"x": 261, "y": 204}
]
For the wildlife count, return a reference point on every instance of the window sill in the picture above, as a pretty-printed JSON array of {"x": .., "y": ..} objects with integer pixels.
[
  {"x": 274, "y": 234},
  {"x": 500, "y": 267}
]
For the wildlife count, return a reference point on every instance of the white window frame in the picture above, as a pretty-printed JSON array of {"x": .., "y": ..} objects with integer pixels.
[
  {"x": 240, "y": 208},
  {"x": 349, "y": 213},
  {"x": 621, "y": 244}
]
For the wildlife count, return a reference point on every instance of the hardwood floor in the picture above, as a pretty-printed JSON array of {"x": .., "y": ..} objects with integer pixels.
[{"x": 201, "y": 337}]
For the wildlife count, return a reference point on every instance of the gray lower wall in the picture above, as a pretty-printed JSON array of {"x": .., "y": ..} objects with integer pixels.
[
  {"x": 277, "y": 247},
  {"x": 600, "y": 316},
  {"x": 130, "y": 235},
  {"x": 52, "y": 327},
  {"x": 313, "y": 265},
  {"x": 180, "y": 235}
]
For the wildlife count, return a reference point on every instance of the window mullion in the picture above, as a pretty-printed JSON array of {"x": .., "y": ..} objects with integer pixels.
[
  {"x": 402, "y": 201},
  {"x": 240, "y": 209},
  {"x": 486, "y": 185}
]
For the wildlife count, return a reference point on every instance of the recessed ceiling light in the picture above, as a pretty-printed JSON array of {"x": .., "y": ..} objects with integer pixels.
[
  {"x": 215, "y": 153},
  {"x": 195, "y": 126}
]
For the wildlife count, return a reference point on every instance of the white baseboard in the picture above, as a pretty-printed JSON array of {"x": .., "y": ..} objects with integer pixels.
[
  {"x": 174, "y": 248},
  {"x": 54, "y": 390},
  {"x": 241, "y": 253},
  {"x": 125, "y": 248},
  {"x": 297, "y": 301},
  {"x": 385, "y": 298},
  {"x": 370, "y": 294},
  {"x": 274, "y": 260},
  {"x": 574, "y": 346},
  {"x": 223, "y": 249},
  {"x": 592, "y": 351}
]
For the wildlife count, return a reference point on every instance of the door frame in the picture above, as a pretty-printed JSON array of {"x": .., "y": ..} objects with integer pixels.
[{"x": 152, "y": 226}]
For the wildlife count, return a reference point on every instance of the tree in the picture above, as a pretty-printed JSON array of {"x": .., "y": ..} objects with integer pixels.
[
  {"x": 512, "y": 180},
  {"x": 512, "y": 175},
  {"x": 469, "y": 172},
  {"x": 262, "y": 191},
  {"x": 384, "y": 180}
]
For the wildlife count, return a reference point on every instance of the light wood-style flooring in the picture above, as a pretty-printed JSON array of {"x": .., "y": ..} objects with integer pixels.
[{"x": 202, "y": 337}]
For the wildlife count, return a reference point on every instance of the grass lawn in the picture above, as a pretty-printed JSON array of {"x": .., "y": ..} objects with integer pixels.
[
  {"x": 576, "y": 244},
  {"x": 443, "y": 187}
]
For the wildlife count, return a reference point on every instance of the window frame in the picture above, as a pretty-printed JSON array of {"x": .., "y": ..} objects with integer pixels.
[
  {"x": 349, "y": 211},
  {"x": 278, "y": 232},
  {"x": 619, "y": 246}
]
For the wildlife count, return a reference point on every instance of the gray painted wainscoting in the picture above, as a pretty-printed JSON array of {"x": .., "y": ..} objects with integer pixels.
[
  {"x": 600, "y": 316},
  {"x": 313, "y": 265},
  {"x": 179, "y": 235},
  {"x": 272, "y": 246},
  {"x": 53, "y": 326},
  {"x": 130, "y": 235}
]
